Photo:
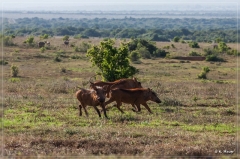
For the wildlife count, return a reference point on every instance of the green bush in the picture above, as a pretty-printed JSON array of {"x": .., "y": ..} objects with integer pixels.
[
  {"x": 144, "y": 53},
  {"x": 112, "y": 62},
  {"x": 3, "y": 62},
  {"x": 193, "y": 53},
  {"x": 213, "y": 58},
  {"x": 203, "y": 74},
  {"x": 193, "y": 44},
  {"x": 160, "y": 53},
  {"x": 14, "y": 71},
  {"x": 42, "y": 49},
  {"x": 134, "y": 56},
  {"x": 176, "y": 39},
  {"x": 57, "y": 59}
]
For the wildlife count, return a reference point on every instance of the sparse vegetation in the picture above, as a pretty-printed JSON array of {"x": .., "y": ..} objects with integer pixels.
[
  {"x": 14, "y": 70},
  {"x": 196, "y": 117}
]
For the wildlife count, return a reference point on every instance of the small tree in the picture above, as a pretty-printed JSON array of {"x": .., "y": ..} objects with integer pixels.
[
  {"x": 134, "y": 56},
  {"x": 45, "y": 36},
  {"x": 14, "y": 71},
  {"x": 203, "y": 74},
  {"x": 30, "y": 41},
  {"x": 176, "y": 39},
  {"x": 113, "y": 62},
  {"x": 194, "y": 45},
  {"x": 42, "y": 49},
  {"x": 66, "y": 37}
]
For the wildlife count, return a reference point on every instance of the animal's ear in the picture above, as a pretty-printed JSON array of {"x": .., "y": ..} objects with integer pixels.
[
  {"x": 92, "y": 86},
  {"x": 105, "y": 88},
  {"x": 134, "y": 79}
]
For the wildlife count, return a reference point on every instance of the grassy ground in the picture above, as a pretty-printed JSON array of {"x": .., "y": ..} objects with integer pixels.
[{"x": 40, "y": 114}]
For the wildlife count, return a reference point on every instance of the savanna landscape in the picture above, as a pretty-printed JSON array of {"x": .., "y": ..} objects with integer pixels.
[{"x": 39, "y": 114}]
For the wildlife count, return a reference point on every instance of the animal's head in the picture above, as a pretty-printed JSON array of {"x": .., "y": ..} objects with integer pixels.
[
  {"x": 153, "y": 96},
  {"x": 137, "y": 84},
  {"x": 100, "y": 93}
]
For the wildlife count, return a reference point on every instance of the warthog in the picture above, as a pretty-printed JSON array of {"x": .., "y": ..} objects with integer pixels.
[
  {"x": 92, "y": 97},
  {"x": 41, "y": 44},
  {"x": 135, "y": 97},
  {"x": 121, "y": 83},
  {"x": 66, "y": 42}
]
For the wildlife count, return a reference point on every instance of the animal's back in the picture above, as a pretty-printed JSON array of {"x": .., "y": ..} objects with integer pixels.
[{"x": 127, "y": 95}]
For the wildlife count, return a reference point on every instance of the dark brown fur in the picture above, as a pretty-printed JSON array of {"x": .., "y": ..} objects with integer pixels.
[
  {"x": 121, "y": 83},
  {"x": 93, "y": 97},
  {"x": 134, "y": 97}
]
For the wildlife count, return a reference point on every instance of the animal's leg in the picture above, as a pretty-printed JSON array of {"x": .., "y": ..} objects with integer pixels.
[
  {"x": 104, "y": 110},
  {"x": 80, "y": 110},
  {"x": 108, "y": 102},
  {"x": 147, "y": 107},
  {"x": 118, "y": 106},
  {"x": 136, "y": 109},
  {"x": 84, "y": 107},
  {"x": 99, "y": 114}
]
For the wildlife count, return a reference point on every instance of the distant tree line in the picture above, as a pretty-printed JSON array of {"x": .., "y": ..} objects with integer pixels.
[{"x": 155, "y": 29}]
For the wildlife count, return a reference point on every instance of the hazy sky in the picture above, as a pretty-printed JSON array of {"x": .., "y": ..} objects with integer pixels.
[{"x": 100, "y": 4}]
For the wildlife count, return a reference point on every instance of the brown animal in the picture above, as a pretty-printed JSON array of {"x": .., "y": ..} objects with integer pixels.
[
  {"x": 41, "y": 44},
  {"x": 92, "y": 97},
  {"x": 135, "y": 96},
  {"x": 121, "y": 83},
  {"x": 66, "y": 42}
]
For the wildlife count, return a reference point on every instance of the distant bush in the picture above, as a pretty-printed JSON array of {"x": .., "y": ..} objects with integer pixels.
[
  {"x": 193, "y": 53},
  {"x": 176, "y": 39},
  {"x": 14, "y": 71},
  {"x": 42, "y": 49},
  {"x": 134, "y": 56},
  {"x": 203, "y": 74},
  {"x": 210, "y": 52},
  {"x": 57, "y": 59},
  {"x": 45, "y": 36},
  {"x": 3, "y": 62},
  {"x": 193, "y": 44},
  {"x": 144, "y": 53},
  {"x": 160, "y": 53},
  {"x": 214, "y": 58},
  {"x": 7, "y": 41}
]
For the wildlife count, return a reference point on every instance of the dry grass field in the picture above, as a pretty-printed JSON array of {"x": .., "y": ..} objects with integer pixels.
[{"x": 40, "y": 112}]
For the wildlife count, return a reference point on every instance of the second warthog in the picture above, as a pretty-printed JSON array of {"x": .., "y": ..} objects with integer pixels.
[{"x": 135, "y": 97}]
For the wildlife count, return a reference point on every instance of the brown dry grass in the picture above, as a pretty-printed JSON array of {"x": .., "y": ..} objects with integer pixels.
[{"x": 196, "y": 118}]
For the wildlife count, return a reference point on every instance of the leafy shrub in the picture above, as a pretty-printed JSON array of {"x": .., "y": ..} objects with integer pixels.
[
  {"x": 213, "y": 58},
  {"x": 203, "y": 74},
  {"x": 3, "y": 62},
  {"x": 176, "y": 39},
  {"x": 57, "y": 59},
  {"x": 193, "y": 53},
  {"x": 7, "y": 41},
  {"x": 113, "y": 62},
  {"x": 209, "y": 51},
  {"x": 160, "y": 53},
  {"x": 66, "y": 37},
  {"x": 144, "y": 53},
  {"x": 14, "y": 71},
  {"x": 193, "y": 44},
  {"x": 30, "y": 41},
  {"x": 45, "y": 36},
  {"x": 134, "y": 56},
  {"x": 42, "y": 49}
]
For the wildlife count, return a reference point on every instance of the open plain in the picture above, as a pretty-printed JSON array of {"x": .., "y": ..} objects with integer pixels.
[{"x": 40, "y": 112}]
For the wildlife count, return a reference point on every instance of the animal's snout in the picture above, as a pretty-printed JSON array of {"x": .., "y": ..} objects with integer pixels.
[
  {"x": 159, "y": 101},
  {"x": 101, "y": 100}
]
